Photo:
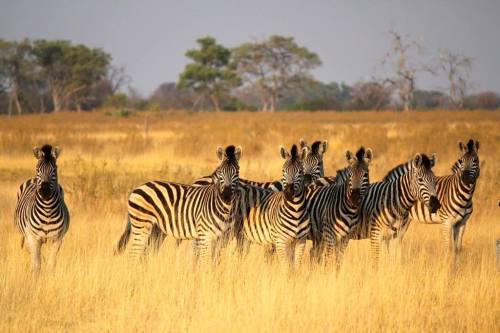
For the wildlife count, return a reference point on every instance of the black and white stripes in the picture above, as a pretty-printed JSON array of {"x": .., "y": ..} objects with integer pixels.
[
  {"x": 41, "y": 214},
  {"x": 184, "y": 211}
]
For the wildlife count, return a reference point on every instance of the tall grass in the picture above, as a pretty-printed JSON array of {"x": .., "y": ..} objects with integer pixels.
[{"x": 104, "y": 157}]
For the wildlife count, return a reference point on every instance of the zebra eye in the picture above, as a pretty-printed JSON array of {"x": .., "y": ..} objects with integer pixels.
[{"x": 420, "y": 179}]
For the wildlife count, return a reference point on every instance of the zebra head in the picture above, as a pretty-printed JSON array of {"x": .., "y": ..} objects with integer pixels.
[
  {"x": 423, "y": 181},
  {"x": 358, "y": 175},
  {"x": 46, "y": 170},
  {"x": 293, "y": 171},
  {"x": 226, "y": 176},
  {"x": 468, "y": 165},
  {"x": 313, "y": 163}
]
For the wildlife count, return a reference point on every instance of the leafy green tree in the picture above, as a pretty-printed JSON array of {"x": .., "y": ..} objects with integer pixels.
[
  {"x": 272, "y": 66},
  {"x": 211, "y": 73},
  {"x": 70, "y": 70}
]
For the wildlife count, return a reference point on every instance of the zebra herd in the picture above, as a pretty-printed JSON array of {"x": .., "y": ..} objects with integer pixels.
[{"x": 280, "y": 215}]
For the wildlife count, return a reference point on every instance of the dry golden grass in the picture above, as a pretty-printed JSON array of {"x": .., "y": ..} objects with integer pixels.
[{"x": 104, "y": 157}]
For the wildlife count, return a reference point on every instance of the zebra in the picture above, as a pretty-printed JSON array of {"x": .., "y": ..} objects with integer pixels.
[
  {"x": 333, "y": 208},
  {"x": 384, "y": 214},
  {"x": 278, "y": 220},
  {"x": 455, "y": 193},
  {"x": 41, "y": 214},
  {"x": 184, "y": 211}
]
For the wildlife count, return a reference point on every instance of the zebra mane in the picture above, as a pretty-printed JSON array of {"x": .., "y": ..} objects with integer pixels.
[
  {"x": 397, "y": 171},
  {"x": 315, "y": 147},
  {"x": 47, "y": 152},
  {"x": 341, "y": 176},
  {"x": 470, "y": 145},
  {"x": 230, "y": 153},
  {"x": 294, "y": 153},
  {"x": 360, "y": 154}
]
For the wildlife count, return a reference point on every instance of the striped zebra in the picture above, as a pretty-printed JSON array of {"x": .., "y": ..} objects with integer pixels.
[
  {"x": 184, "y": 211},
  {"x": 386, "y": 206},
  {"x": 279, "y": 220},
  {"x": 455, "y": 193},
  {"x": 334, "y": 208},
  {"x": 41, "y": 214}
]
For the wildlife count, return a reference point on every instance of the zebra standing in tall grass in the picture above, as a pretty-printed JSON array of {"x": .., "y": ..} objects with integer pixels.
[
  {"x": 385, "y": 208},
  {"x": 455, "y": 193},
  {"x": 334, "y": 208},
  {"x": 184, "y": 211},
  {"x": 41, "y": 214},
  {"x": 279, "y": 220}
]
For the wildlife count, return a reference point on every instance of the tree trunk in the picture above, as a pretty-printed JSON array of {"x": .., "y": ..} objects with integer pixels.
[
  {"x": 18, "y": 105},
  {"x": 274, "y": 101},
  {"x": 215, "y": 102},
  {"x": 57, "y": 101}
]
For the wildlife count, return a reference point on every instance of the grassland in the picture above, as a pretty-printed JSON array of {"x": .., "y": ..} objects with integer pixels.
[{"x": 104, "y": 157}]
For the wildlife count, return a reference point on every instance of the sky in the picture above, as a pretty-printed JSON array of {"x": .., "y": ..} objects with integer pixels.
[{"x": 150, "y": 38}]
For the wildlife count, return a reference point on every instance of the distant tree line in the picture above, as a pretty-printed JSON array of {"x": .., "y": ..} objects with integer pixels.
[{"x": 266, "y": 75}]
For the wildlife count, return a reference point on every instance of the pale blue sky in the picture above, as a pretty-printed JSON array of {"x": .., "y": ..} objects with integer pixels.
[{"x": 151, "y": 37}]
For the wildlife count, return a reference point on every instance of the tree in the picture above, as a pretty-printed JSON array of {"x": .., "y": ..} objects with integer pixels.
[
  {"x": 16, "y": 70},
  {"x": 455, "y": 66},
  {"x": 370, "y": 95},
  {"x": 169, "y": 96},
  {"x": 211, "y": 74},
  {"x": 70, "y": 70},
  {"x": 405, "y": 70},
  {"x": 272, "y": 66}
]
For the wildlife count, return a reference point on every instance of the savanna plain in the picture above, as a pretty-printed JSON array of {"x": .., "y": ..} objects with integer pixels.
[{"x": 105, "y": 156}]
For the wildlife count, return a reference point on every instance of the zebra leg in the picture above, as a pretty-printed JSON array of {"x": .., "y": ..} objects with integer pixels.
[
  {"x": 284, "y": 254},
  {"x": 140, "y": 238},
  {"x": 204, "y": 249},
  {"x": 458, "y": 233},
  {"x": 53, "y": 250},
  {"x": 375, "y": 240},
  {"x": 446, "y": 229},
  {"x": 339, "y": 252},
  {"x": 34, "y": 247},
  {"x": 269, "y": 253},
  {"x": 300, "y": 247},
  {"x": 329, "y": 246}
]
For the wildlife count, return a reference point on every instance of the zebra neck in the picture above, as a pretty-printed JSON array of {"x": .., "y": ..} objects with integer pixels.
[
  {"x": 405, "y": 192},
  {"x": 468, "y": 190},
  {"x": 222, "y": 206}
]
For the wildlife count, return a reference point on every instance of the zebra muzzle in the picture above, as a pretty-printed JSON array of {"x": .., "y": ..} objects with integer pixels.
[{"x": 434, "y": 204}]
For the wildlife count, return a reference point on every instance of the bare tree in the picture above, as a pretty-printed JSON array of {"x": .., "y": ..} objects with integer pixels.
[
  {"x": 405, "y": 71},
  {"x": 455, "y": 66}
]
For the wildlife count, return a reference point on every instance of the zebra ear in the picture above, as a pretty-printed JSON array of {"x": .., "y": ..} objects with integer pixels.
[
  {"x": 323, "y": 147},
  {"x": 284, "y": 154},
  {"x": 368, "y": 155},
  {"x": 433, "y": 160},
  {"x": 220, "y": 153},
  {"x": 37, "y": 151},
  {"x": 237, "y": 153},
  {"x": 302, "y": 143},
  {"x": 417, "y": 160},
  {"x": 476, "y": 145},
  {"x": 462, "y": 147},
  {"x": 56, "y": 152},
  {"x": 305, "y": 150},
  {"x": 350, "y": 157}
]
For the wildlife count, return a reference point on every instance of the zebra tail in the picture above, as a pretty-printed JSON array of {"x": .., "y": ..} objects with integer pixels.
[{"x": 122, "y": 243}]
